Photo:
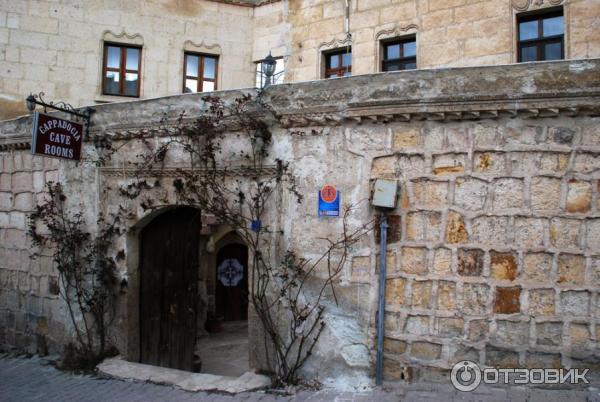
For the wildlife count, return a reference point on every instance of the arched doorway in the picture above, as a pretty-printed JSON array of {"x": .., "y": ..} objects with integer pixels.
[
  {"x": 224, "y": 349},
  {"x": 169, "y": 288},
  {"x": 231, "y": 285}
]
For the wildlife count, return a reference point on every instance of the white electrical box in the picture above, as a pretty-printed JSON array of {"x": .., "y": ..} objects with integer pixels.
[{"x": 384, "y": 193}]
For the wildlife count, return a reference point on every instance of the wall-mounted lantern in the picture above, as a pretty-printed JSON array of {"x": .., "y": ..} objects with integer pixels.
[{"x": 267, "y": 66}]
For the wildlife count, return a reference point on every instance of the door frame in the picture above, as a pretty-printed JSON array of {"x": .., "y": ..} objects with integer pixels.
[{"x": 128, "y": 306}]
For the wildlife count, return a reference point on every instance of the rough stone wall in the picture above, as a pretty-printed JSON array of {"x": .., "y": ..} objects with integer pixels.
[{"x": 493, "y": 251}]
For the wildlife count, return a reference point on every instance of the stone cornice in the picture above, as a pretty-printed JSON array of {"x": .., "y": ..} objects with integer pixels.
[
  {"x": 175, "y": 172},
  {"x": 528, "y": 90}
]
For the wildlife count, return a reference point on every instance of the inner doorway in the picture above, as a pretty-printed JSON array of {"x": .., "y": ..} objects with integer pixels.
[
  {"x": 224, "y": 351},
  {"x": 169, "y": 288},
  {"x": 231, "y": 289}
]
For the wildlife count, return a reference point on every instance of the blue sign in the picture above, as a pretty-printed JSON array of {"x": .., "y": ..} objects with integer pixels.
[{"x": 329, "y": 201}]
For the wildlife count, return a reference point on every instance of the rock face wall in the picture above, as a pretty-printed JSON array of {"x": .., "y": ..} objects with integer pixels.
[{"x": 494, "y": 246}]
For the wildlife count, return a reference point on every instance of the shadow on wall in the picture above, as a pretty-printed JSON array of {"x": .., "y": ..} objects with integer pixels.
[{"x": 11, "y": 108}]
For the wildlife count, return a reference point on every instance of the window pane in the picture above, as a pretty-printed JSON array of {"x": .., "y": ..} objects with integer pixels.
[
  {"x": 133, "y": 58},
  {"x": 392, "y": 52},
  {"x": 346, "y": 59},
  {"x": 391, "y": 66},
  {"x": 553, "y": 26},
  {"x": 131, "y": 82},
  {"x": 410, "y": 49},
  {"x": 209, "y": 67},
  {"x": 553, "y": 51},
  {"x": 279, "y": 73},
  {"x": 333, "y": 61},
  {"x": 410, "y": 65},
  {"x": 528, "y": 30},
  {"x": 191, "y": 86},
  {"x": 111, "y": 83},
  {"x": 208, "y": 86},
  {"x": 258, "y": 76},
  {"x": 529, "y": 53},
  {"x": 347, "y": 74},
  {"x": 191, "y": 68},
  {"x": 113, "y": 57}
]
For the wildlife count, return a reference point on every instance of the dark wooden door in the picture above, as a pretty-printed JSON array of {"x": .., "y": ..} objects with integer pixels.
[
  {"x": 168, "y": 289},
  {"x": 232, "y": 282}
]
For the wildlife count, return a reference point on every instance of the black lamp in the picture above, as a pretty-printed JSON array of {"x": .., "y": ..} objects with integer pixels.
[
  {"x": 268, "y": 69},
  {"x": 30, "y": 102}
]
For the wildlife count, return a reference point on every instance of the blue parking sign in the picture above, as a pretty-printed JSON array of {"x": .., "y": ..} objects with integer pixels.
[{"x": 329, "y": 201}]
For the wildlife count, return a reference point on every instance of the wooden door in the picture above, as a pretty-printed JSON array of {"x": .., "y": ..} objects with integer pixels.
[
  {"x": 168, "y": 289},
  {"x": 232, "y": 282}
]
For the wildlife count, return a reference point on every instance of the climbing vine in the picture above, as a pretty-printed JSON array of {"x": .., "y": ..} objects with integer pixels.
[
  {"x": 291, "y": 317},
  {"x": 87, "y": 273},
  {"x": 205, "y": 178}
]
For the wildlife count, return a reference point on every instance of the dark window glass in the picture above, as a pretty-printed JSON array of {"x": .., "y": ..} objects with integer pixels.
[
  {"x": 121, "y": 70},
  {"x": 410, "y": 66},
  {"x": 553, "y": 26},
  {"x": 528, "y": 30},
  {"x": 346, "y": 59},
  {"x": 529, "y": 53},
  {"x": 410, "y": 49},
  {"x": 400, "y": 54},
  {"x": 553, "y": 51},
  {"x": 338, "y": 63},
  {"x": 392, "y": 52},
  {"x": 541, "y": 36},
  {"x": 200, "y": 73}
]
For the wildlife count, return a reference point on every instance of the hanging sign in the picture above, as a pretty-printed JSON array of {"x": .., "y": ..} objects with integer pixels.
[
  {"x": 329, "y": 201},
  {"x": 230, "y": 272},
  {"x": 56, "y": 137}
]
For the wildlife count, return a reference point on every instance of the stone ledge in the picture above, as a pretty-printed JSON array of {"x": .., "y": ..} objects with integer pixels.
[
  {"x": 185, "y": 380},
  {"x": 527, "y": 90}
]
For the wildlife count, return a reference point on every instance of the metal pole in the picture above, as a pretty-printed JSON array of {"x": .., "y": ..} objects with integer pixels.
[{"x": 381, "y": 305}]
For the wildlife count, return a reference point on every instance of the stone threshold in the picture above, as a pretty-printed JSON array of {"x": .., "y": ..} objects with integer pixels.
[{"x": 188, "y": 381}]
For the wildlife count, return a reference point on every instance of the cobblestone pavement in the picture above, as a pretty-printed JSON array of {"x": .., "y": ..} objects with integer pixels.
[{"x": 34, "y": 379}]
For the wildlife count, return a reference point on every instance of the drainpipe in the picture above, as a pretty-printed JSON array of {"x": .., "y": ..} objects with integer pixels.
[{"x": 381, "y": 304}]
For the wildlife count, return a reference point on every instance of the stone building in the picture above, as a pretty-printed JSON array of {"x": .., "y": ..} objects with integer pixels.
[
  {"x": 493, "y": 251},
  {"x": 58, "y": 47}
]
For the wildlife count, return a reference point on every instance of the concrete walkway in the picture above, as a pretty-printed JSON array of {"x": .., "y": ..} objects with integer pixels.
[
  {"x": 185, "y": 380},
  {"x": 33, "y": 379},
  {"x": 226, "y": 352}
]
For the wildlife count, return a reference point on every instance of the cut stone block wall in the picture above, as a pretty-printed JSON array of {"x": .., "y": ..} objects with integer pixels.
[
  {"x": 57, "y": 48},
  {"x": 32, "y": 315},
  {"x": 499, "y": 242}
]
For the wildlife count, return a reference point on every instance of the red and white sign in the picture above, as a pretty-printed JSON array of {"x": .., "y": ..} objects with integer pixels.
[
  {"x": 328, "y": 193},
  {"x": 56, "y": 137}
]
